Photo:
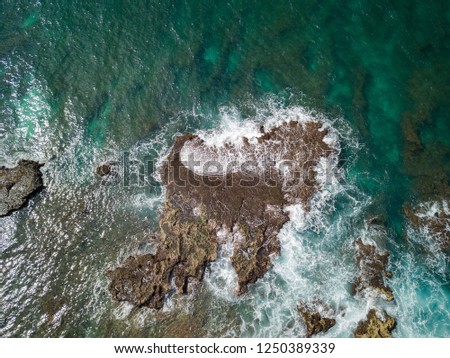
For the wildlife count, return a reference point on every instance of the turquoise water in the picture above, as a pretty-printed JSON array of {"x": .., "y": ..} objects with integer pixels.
[{"x": 81, "y": 83}]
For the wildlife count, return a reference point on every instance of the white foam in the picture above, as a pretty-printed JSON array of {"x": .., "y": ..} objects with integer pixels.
[
  {"x": 317, "y": 256},
  {"x": 421, "y": 299},
  {"x": 222, "y": 278},
  {"x": 142, "y": 200},
  {"x": 429, "y": 241},
  {"x": 224, "y": 144}
]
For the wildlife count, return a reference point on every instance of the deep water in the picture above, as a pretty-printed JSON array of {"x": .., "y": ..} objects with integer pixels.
[{"x": 81, "y": 83}]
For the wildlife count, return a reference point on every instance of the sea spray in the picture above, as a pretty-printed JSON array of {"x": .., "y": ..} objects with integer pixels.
[{"x": 317, "y": 259}]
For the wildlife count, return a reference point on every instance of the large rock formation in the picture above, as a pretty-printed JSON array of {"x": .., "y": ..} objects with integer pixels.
[
  {"x": 318, "y": 317},
  {"x": 237, "y": 188},
  {"x": 17, "y": 184},
  {"x": 376, "y": 325}
]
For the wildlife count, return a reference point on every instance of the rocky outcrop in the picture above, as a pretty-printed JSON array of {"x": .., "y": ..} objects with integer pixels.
[
  {"x": 246, "y": 200},
  {"x": 109, "y": 171},
  {"x": 373, "y": 273},
  {"x": 318, "y": 317},
  {"x": 378, "y": 324},
  {"x": 372, "y": 278},
  {"x": 18, "y": 184},
  {"x": 184, "y": 250},
  {"x": 103, "y": 170},
  {"x": 425, "y": 161}
]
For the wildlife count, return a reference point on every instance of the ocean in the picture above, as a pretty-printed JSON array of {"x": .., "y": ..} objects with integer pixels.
[{"x": 82, "y": 84}]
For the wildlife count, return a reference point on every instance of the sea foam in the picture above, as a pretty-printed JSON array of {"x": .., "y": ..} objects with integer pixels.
[{"x": 317, "y": 258}]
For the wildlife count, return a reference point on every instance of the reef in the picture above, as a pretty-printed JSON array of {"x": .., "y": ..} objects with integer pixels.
[
  {"x": 318, "y": 317},
  {"x": 244, "y": 198},
  {"x": 372, "y": 264},
  {"x": 378, "y": 324},
  {"x": 433, "y": 219},
  {"x": 425, "y": 160},
  {"x": 18, "y": 184}
]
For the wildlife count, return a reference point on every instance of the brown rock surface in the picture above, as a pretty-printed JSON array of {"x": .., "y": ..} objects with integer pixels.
[
  {"x": 103, "y": 169},
  {"x": 377, "y": 325},
  {"x": 247, "y": 203},
  {"x": 317, "y": 316},
  {"x": 437, "y": 225},
  {"x": 17, "y": 184},
  {"x": 372, "y": 264}
]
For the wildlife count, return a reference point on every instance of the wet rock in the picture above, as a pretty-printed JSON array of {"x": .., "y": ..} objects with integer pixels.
[
  {"x": 247, "y": 203},
  {"x": 185, "y": 327},
  {"x": 142, "y": 280},
  {"x": 108, "y": 169},
  {"x": 318, "y": 317},
  {"x": 372, "y": 264},
  {"x": 184, "y": 250},
  {"x": 426, "y": 161},
  {"x": 378, "y": 324},
  {"x": 18, "y": 184},
  {"x": 432, "y": 219},
  {"x": 103, "y": 170},
  {"x": 376, "y": 220}
]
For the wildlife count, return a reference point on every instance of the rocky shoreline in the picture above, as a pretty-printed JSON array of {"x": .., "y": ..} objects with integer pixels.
[
  {"x": 433, "y": 219},
  {"x": 373, "y": 274}
]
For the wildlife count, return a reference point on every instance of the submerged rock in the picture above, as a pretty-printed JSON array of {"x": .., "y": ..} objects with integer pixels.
[
  {"x": 207, "y": 192},
  {"x": 108, "y": 169},
  {"x": 432, "y": 219},
  {"x": 376, "y": 325},
  {"x": 18, "y": 184},
  {"x": 318, "y": 317},
  {"x": 372, "y": 264}
]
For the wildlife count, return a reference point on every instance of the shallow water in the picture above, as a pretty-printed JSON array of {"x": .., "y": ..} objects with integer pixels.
[{"x": 81, "y": 84}]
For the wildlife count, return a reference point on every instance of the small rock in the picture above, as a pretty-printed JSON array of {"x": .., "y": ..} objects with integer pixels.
[
  {"x": 315, "y": 316},
  {"x": 377, "y": 325}
]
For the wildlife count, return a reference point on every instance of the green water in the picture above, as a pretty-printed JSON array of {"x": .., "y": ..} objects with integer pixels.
[{"x": 80, "y": 83}]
